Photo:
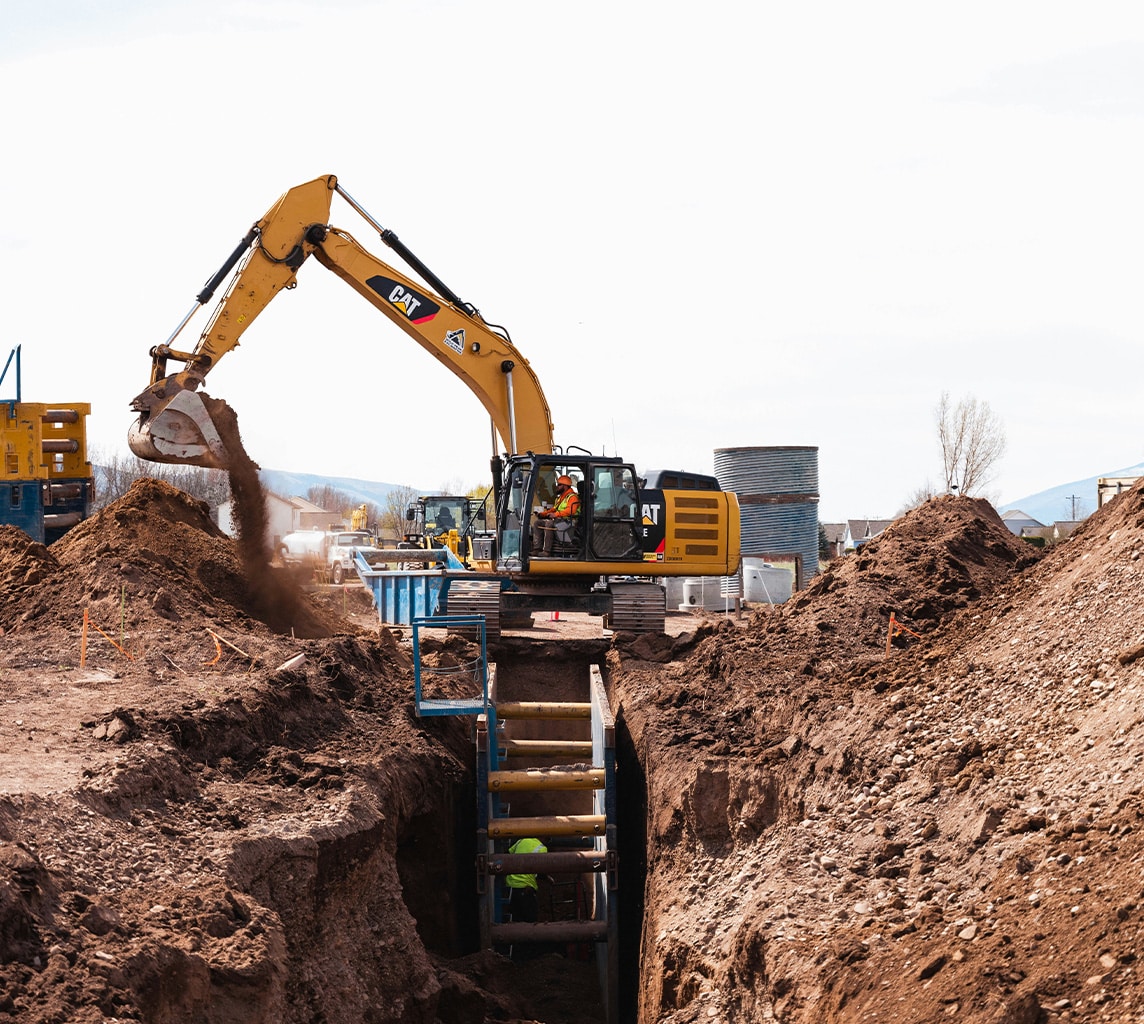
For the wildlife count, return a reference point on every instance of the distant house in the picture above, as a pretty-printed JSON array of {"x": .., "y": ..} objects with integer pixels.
[
  {"x": 283, "y": 516},
  {"x": 858, "y": 531},
  {"x": 1019, "y": 522},
  {"x": 1063, "y": 529},
  {"x": 1043, "y": 535},
  {"x": 835, "y": 538}
]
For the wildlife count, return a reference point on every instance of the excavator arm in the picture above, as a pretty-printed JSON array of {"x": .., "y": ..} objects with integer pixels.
[{"x": 175, "y": 421}]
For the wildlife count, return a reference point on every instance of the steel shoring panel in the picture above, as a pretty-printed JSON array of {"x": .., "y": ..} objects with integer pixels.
[
  {"x": 605, "y": 803},
  {"x": 599, "y": 827}
]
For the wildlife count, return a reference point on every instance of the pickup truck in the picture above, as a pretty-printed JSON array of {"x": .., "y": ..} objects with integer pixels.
[{"x": 328, "y": 550}]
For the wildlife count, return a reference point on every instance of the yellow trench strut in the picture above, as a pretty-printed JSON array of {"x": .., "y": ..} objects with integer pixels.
[
  {"x": 548, "y": 748},
  {"x": 543, "y": 709},
  {"x": 546, "y": 778},
  {"x": 548, "y": 825}
]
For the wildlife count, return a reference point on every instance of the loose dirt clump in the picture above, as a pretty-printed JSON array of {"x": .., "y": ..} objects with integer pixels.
[{"x": 273, "y": 596}]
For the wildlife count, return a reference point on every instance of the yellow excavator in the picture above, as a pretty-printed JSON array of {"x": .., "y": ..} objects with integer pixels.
[{"x": 606, "y": 561}]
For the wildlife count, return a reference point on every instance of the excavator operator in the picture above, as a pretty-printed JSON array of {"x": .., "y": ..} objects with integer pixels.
[
  {"x": 558, "y": 520},
  {"x": 445, "y": 520}
]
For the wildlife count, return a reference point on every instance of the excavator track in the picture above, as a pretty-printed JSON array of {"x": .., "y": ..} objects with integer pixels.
[
  {"x": 477, "y": 597},
  {"x": 638, "y": 608}
]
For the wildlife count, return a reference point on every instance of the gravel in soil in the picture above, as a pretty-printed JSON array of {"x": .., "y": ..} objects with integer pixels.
[{"x": 822, "y": 821}]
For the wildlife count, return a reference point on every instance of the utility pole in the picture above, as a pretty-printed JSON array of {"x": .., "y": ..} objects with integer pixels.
[{"x": 1074, "y": 498}]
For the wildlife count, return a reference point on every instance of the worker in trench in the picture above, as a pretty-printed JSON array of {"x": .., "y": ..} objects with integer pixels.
[
  {"x": 524, "y": 901},
  {"x": 524, "y": 894}
]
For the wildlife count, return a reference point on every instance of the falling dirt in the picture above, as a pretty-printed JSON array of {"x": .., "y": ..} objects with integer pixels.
[
  {"x": 274, "y": 595},
  {"x": 820, "y": 820}
]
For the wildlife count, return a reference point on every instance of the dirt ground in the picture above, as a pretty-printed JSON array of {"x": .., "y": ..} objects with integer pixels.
[{"x": 203, "y": 818}]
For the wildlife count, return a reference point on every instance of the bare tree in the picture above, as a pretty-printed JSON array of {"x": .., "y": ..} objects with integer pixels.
[
  {"x": 116, "y": 473},
  {"x": 332, "y": 500},
  {"x": 391, "y": 520},
  {"x": 972, "y": 442},
  {"x": 918, "y": 496}
]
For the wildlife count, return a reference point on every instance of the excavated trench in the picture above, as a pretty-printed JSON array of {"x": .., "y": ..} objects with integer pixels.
[
  {"x": 383, "y": 898},
  {"x": 531, "y": 670}
]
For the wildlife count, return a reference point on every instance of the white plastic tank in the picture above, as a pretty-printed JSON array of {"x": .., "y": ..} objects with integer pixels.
[
  {"x": 764, "y": 583},
  {"x": 711, "y": 593}
]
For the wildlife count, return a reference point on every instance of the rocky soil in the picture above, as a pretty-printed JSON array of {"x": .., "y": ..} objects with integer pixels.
[
  {"x": 203, "y": 818},
  {"x": 949, "y": 829}
]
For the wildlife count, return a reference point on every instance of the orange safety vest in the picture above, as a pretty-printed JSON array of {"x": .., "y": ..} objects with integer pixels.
[{"x": 568, "y": 504}]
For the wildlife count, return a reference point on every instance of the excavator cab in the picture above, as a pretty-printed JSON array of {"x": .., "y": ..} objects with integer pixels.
[{"x": 605, "y": 528}]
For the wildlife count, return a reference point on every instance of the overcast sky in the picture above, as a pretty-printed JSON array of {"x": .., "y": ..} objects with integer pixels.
[{"x": 705, "y": 225}]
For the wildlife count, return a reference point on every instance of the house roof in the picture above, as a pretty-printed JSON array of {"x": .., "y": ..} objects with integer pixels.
[
  {"x": 1018, "y": 522},
  {"x": 1017, "y": 516},
  {"x": 861, "y": 529},
  {"x": 303, "y": 505},
  {"x": 835, "y": 532}
]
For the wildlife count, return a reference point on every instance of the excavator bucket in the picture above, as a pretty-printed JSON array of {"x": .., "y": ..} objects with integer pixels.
[{"x": 180, "y": 430}]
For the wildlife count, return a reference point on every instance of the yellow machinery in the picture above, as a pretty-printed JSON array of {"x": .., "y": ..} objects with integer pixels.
[
  {"x": 622, "y": 530},
  {"x": 47, "y": 481}
]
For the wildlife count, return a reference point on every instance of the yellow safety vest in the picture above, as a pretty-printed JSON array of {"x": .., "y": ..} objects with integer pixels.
[
  {"x": 525, "y": 846},
  {"x": 568, "y": 504}
]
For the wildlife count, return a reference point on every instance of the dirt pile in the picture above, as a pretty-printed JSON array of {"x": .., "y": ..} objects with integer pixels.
[
  {"x": 812, "y": 829},
  {"x": 150, "y": 558},
  {"x": 240, "y": 831},
  {"x": 950, "y": 831}
]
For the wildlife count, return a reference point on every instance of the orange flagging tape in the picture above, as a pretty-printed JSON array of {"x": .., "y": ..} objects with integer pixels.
[
  {"x": 895, "y": 629},
  {"x": 218, "y": 647},
  {"x": 219, "y": 641},
  {"x": 83, "y": 641}
]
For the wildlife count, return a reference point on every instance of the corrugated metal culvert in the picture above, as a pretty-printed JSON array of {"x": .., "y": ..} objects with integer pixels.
[{"x": 778, "y": 499}]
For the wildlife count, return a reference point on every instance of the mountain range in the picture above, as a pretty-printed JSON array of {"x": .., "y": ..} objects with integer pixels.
[
  {"x": 288, "y": 485},
  {"x": 1064, "y": 502},
  {"x": 1067, "y": 502}
]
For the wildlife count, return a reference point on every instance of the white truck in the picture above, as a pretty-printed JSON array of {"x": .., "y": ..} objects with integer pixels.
[{"x": 331, "y": 551}]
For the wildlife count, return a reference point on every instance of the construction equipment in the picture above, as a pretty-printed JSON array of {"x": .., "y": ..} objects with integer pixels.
[
  {"x": 46, "y": 475},
  {"x": 454, "y": 521},
  {"x": 624, "y": 537},
  {"x": 328, "y": 553}
]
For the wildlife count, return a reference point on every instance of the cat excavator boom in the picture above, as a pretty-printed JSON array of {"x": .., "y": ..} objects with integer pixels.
[
  {"x": 175, "y": 424},
  {"x": 624, "y": 535}
]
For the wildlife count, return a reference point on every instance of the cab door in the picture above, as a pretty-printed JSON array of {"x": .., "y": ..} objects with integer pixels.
[{"x": 614, "y": 505}]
